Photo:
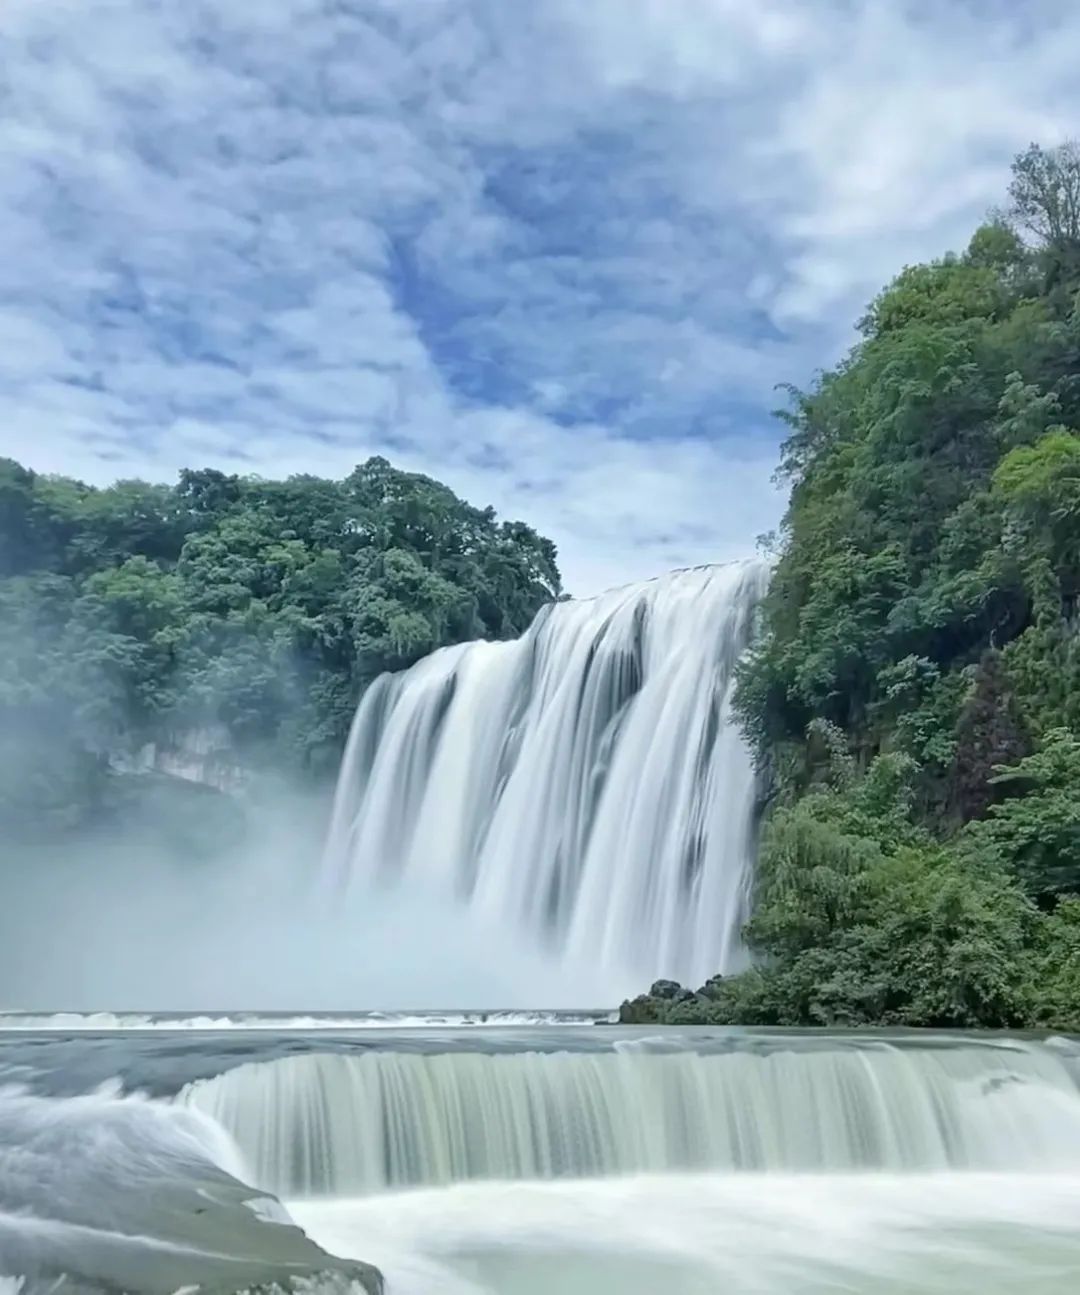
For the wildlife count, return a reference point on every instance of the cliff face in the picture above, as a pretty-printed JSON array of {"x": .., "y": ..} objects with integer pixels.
[{"x": 202, "y": 755}]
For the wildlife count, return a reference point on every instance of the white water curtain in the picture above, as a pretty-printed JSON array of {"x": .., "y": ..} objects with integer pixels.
[{"x": 584, "y": 784}]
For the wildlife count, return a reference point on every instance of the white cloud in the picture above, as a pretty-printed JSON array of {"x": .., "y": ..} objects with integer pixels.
[{"x": 555, "y": 254}]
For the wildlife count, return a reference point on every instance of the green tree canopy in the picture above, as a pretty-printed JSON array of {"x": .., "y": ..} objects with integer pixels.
[{"x": 137, "y": 613}]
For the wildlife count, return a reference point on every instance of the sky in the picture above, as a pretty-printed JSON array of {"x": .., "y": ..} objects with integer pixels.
[{"x": 556, "y": 253}]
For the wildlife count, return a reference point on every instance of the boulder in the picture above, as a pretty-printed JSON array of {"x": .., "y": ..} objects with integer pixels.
[{"x": 665, "y": 989}]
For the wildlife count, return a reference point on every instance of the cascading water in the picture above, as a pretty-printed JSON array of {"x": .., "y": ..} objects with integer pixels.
[
  {"x": 584, "y": 783},
  {"x": 324, "y": 1124}
]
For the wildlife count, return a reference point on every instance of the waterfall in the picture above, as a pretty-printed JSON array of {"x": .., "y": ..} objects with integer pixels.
[
  {"x": 358, "y": 1123},
  {"x": 583, "y": 784}
]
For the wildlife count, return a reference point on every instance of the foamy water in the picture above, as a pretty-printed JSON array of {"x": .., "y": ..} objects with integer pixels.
[
  {"x": 544, "y": 1161},
  {"x": 104, "y": 1022},
  {"x": 698, "y": 1235}
]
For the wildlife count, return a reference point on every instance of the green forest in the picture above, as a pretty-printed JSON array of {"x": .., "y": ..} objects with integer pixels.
[
  {"x": 141, "y": 614},
  {"x": 914, "y": 693}
]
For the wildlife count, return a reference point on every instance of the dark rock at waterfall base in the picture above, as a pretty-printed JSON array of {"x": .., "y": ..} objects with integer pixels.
[
  {"x": 642, "y": 1010},
  {"x": 657, "y": 1005},
  {"x": 669, "y": 1003}
]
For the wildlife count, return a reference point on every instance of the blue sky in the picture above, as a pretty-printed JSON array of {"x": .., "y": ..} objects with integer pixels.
[{"x": 557, "y": 253}]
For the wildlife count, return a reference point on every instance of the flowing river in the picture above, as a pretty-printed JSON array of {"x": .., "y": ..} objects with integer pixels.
[{"x": 537, "y": 1154}]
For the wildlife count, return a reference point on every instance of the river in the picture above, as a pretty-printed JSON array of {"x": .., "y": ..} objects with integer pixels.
[{"x": 541, "y": 1153}]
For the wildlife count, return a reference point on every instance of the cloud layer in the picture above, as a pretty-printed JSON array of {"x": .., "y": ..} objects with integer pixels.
[{"x": 556, "y": 254}]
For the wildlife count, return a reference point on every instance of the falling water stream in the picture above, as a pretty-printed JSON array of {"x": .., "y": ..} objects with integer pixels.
[
  {"x": 583, "y": 784},
  {"x": 345, "y": 1125}
]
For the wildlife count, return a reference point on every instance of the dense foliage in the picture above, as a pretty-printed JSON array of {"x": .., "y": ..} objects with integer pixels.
[
  {"x": 914, "y": 697},
  {"x": 254, "y": 610}
]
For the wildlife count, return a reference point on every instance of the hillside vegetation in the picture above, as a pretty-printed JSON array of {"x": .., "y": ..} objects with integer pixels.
[
  {"x": 257, "y": 610},
  {"x": 914, "y": 695}
]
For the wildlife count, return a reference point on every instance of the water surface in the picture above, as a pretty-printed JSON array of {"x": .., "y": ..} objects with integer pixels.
[{"x": 487, "y": 1153}]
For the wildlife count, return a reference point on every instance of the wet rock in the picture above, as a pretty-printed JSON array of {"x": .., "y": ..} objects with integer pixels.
[
  {"x": 103, "y": 1194},
  {"x": 642, "y": 1010}
]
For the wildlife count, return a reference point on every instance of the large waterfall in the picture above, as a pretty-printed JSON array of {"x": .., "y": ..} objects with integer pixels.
[
  {"x": 583, "y": 783},
  {"x": 325, "y": 1124}
]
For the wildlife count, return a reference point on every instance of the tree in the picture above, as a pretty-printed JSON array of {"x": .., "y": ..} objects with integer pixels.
[
  {"x": 1039, "y": 486},
  {"x": 1045, "y": 194},
  {"x": 1036, "y": 831},
  {"x": 20, "y": 546}
]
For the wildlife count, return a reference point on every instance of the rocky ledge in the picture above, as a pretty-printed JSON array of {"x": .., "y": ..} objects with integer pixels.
[{"x": 669, "y": 1003}]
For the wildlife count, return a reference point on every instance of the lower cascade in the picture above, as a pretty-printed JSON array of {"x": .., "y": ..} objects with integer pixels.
[
  {"x": 583, "y": 783},
  {"x": 357, "y": 1123}
]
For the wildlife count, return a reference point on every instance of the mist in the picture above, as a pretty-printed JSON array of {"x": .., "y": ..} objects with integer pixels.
[{"x": 114, "y": 923}]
